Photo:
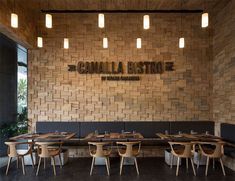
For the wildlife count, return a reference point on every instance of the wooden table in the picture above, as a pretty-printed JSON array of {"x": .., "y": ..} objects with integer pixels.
[
  {"x": 189, "y": 137},
  {"x": 114, "y": 136},
  {"x": 44, "y": 136}
]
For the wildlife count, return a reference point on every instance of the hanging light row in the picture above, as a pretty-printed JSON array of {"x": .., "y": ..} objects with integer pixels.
[{"x": 101, "y": 24}]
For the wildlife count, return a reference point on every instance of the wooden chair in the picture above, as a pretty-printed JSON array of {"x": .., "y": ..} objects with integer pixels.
[
  {"x": 186, "y": 152},
  {"x": 215, "y": 153},
  {"x": 100, "y": 152},
  {"x": 12, "y": 153},
  {"x": 129, "y": 152},
  {"x": 49, "y": 150}
]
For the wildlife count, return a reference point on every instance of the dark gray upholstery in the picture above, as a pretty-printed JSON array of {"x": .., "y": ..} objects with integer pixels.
[
  {"x": 147, "y": 129},
  {"x": 228, "y": 132},
  {"x": 187, "y": 126},
  {"x": 46, "y": 127},
  {"x": 88, "y": 127}
]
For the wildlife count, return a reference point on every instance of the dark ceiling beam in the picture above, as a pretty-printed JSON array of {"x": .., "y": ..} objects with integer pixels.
[{"x": 55, "y": 11}]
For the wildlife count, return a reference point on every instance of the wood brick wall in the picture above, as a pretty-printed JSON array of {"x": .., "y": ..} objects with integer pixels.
[
  {"x": 224, "y": 66},
  {"x": 184, "y": 94}
]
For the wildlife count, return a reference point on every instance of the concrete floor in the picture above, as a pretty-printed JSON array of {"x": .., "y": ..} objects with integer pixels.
[{"x": 150, "y": 169}]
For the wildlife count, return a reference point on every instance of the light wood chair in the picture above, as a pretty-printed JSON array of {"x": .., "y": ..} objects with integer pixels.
[
  {"x": 12, "y": 153},
  {"x": 48, "y": 150},
  {"x": 186, "y": 152},
  {"x": 216, "y": 153},
  {"x": 129, "y": 152},
  {"x": 102, "y": 150}
]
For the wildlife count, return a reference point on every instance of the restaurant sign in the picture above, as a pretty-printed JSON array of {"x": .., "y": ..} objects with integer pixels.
[{"x": 114, "y": 69}]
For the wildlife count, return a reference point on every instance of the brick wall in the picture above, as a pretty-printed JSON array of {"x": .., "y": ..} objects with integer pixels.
[
  {"x": 224, "y": 66},
  {"x": 184, "y": 94}
]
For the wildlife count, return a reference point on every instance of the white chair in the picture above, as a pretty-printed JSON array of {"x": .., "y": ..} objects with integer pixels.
[
  {"x": 186, "y": 152},
  {"x": 12, "y": 153},
  {"x": 216, "y": 153},
  {"x": 45, "y": 150},
  {"x": 100, "y": 152},
  {"x": 129, "y": 152}
]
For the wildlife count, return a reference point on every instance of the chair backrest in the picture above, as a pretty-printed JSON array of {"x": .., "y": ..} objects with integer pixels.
[
  {"x": 218, "y": 150},
  {"x": 129, "y": 148},
  {"x": 12, "y": 150},
  {"x": 43, "y": 150},
  {"x": 187, "y": 149},
  {"x": 99, "y": 151}
]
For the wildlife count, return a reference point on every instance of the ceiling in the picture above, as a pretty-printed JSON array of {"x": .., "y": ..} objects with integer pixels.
[{"x": 123, "y": 4}]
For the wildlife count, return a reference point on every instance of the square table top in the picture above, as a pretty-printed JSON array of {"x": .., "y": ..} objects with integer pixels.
[
  {"x": 189, "y": 137},
  {"x": 114, "y": 136}
]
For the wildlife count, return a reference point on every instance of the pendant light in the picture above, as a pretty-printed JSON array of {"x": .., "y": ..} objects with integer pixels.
[
  {"x": 66, "y": 40},
  {"x": 14, "y": 20},
  {"x": 181, "y": 43},
  {"x": 205, "y": 20},
  {"x": 138, "y": 43},
  {"x": 146, "y": 22},
  {"x": 14, "y": 17},
  {"x": 48, "y": 18},
  {"x": 39, "y": 42},
  {"x": 66, "y": 43},
  {"x": 101, "y": 20},
  {"x": 105, "y": 42},
  {"x": 181, "y": 39},
  {"x": 48, "y": 21}
]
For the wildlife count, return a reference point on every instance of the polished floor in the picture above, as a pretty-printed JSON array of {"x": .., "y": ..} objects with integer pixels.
[{"x": 151, "y": 169}]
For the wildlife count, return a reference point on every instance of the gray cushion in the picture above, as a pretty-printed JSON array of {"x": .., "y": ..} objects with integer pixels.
[
  {"x": 89, "y": 127},
  {"x": 187, "y": 126},
  {"x": 227, "y": 132},
  {"x": 47, "y": 127},
  {"x": 147, "y": 129}
]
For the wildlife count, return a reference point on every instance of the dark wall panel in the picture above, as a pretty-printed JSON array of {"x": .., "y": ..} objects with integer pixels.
[{"x": 8, "y": 83}]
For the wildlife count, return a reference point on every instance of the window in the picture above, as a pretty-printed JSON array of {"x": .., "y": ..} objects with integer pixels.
[{"x": 22, "y": 78}]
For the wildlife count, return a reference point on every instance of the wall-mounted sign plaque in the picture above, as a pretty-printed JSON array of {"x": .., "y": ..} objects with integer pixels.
[{"x": 115, "y": 68}]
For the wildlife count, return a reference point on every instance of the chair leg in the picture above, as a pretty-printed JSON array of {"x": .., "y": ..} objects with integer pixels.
[
  {"x": 207, "y": 165},
  {"x": 60, "y": 161},
  {"x": 31, "y": 155},
  {"x": 44, "y": 162},
  {"x": 136, "y": 166},
  {"x": 187, "y": 163},
  {"x": 107, "y": 165},
  {"x": 92, "y": 165},
  {"x": 22, "y": 161},
  {"x": 53, "y": 160},
  {"x": 121, "y": 164},
  {"x": 171, "y": 159},
  {"x": 8, "y": 165},
  {"x": 177, "y": 169},
  {"x": 17, "y": 162},
  {"x": 193, "y": 167},
  {"x": 222, "y": 166},
  {"x": 39, "y": 163},
  {"x": 213, "y": 163}
]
